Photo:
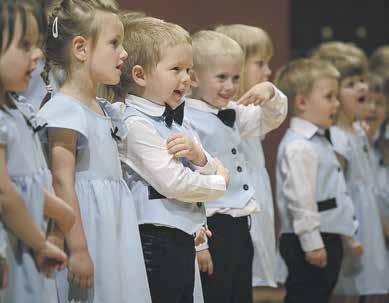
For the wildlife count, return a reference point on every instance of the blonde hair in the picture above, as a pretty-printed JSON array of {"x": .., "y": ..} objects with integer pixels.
[
  {"x": 379, "y": 64},
  {"x": 144, "y": 38},
  {"x": 210, "y": 44},
  {"x": 299, "y": 76},
  {"x": 349, "y": 59},
  {"x": 74, "y": 18},
  {"x": 253, "y": 40}
]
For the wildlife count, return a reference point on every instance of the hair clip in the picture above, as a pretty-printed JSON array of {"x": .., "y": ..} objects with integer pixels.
[{"x": 55, "y": 27}]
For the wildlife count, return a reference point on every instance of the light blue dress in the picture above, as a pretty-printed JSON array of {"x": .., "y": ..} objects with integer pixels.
[
  {"x": 29, "y": 174},
  {"x": 106, "y": 204},
  {"x": 262, "y": 223},
  {"x": 367, "y": 274}
]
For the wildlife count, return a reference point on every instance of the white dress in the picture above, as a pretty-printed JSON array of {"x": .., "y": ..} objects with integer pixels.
[
  {"x": 367, "y": 274},
  {"x": 29, "y": 174},
  {"x": 106, "y": 204},
  {"x": 262, "y": 223}
]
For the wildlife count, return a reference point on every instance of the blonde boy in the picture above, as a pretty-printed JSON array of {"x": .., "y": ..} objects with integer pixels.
[
  {"x": 311, "y": 192},
  {"x": 164, "y": 163},
  {"x": 221, "y": 123}
]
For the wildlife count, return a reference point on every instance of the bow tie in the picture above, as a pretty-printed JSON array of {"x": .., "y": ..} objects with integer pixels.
[
  {"x": 227, "y": 116},
  {"x": 176, "y": 115},
  {"x": 326, "y": 135}
]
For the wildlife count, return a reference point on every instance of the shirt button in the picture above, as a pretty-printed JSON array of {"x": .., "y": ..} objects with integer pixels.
[
  {"x": 233, "y": 151},
  {"x": 239, "y": 169},
  {"x": 245, "y": 187},
  {"x": 339, "y": 169}
]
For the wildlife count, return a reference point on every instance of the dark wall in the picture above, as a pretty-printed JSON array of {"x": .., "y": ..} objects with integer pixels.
[{"x": 271, "y": 15}]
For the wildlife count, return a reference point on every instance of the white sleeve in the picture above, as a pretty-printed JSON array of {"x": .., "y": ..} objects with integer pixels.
[
  {"x": 145, "y": 151},
  {"x": 257, "y": 121},
  {"x": 300, "y": 167}
]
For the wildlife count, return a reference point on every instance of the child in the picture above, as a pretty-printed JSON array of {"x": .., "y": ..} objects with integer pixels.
[
  {"x": 25, "y": 179},
  {"x": 363, "y": 275},
  {"x": 105, "y": 257},
  {"x": 227, "y": 269},
  {"x": 311, "y": 192},
  {"x": 164, "y": 164},
  {"x": 258, "y": 50}
]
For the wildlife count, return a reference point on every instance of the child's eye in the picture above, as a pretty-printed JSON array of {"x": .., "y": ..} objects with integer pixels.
[
  {"x": 221, "y": 77},
  {"x": 114, "y": 42},
  {"x": 26, "y": 45},
  {"x": 260, "y": 63},
  {"x": 176, "y": 69},
  {"x": 236, "y": 78}
]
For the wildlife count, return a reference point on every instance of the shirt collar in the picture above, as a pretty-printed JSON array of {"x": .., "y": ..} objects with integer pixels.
[
  {"x": 304, "y": 127},
  {"x": 145, "y": 106},
  {"x": 204, "y": 106}
]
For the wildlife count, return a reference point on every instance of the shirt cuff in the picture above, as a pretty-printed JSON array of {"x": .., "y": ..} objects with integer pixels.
[
  {"x": 202, "y": 246},
  {"x": 311, "y": 240},
  {"x": 277, "y": 103},
  {"x": 207, "y": 169}
]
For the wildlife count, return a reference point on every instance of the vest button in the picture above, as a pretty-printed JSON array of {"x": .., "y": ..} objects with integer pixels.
[
  {"x": 233, "y": 151},
  {"x": 239, "y": 169},
  {"x": 245, "y": 187}
]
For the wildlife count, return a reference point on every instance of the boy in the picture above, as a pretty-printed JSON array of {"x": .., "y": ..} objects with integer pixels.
[
  {"x": 311, "y": 192},
  {"x": 227, "y": 264},
  {"x": 165, "y": 166}
]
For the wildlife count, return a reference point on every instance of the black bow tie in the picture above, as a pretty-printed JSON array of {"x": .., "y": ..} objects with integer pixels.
[
  {"x": 228, "y": 116},
  {"x": 176, "y": 115},
  {"x": 326, "y": 135}
]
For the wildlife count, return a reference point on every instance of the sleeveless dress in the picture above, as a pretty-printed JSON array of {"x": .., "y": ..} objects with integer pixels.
[{"x": 106, "y": 204}]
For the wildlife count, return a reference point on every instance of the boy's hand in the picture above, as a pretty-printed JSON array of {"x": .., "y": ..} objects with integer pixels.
[
  {"x": 57, "y": 239},
  {"x": 50, "y": 258},
  {"x": 181, "y": 146},
  {"x": 205, "y": 261},
  {"x": 81, "y": 269},
  {"x": 222, "y": 171},
  {"x": 202, "y": 235},
  {"x": 258, "y": 95},
  {"x": 317, "y": 257},
  {"x": 3, "y": 273}
]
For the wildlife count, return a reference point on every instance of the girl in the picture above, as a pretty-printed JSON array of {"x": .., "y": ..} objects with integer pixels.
[
  {"x": 105, "y": 255},
  {"x": 363, "y": 275},
  {"x": 24, "y": 178},
  {"x": 258, "y": 50}
]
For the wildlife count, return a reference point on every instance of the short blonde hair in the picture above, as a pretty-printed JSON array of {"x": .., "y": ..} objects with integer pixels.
[
  {"x": 253, "y": 40},
  {"x": 144, "y": 39},
  {"x": 379, "y": 64},
  {"x": 210, "y": 44},
  {"x": 349, "y": 59},
  {"x": 299, "y": 76}
]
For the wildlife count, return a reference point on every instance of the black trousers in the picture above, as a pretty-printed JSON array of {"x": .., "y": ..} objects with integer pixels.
[
  {"x": 231, "y": 249},
  {"x": 307, "y": 283},
  {"x": 169, "y": 255}
]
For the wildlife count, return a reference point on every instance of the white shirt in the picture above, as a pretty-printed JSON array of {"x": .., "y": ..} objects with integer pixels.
[
  {"x": 252, "y": 121},
  {"x": 300, "y": 166},
  {"x": 145, "y": 151}
]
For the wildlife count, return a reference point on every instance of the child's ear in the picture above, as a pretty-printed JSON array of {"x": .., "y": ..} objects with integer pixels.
[
  {"x": 300, "y": 102},
  {"x": 80, "y": 48},
  {"x": 193, "y": 78},
  {"x": 139, "y": 75}
]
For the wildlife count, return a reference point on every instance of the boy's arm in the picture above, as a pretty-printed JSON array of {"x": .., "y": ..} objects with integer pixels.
[
  {"x": 258, "y": 120},
  {"x": 145, "y": 151},
  {"x": 300, "y": 168}
]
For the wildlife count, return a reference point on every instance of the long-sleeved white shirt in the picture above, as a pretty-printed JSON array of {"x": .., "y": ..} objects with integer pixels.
[
  {"x": 300, "y": 166},
  {"x": 145, "y": 151}
]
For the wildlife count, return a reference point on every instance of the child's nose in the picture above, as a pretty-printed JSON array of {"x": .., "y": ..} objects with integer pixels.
[
  {"x": 267, "y": 70},
  {"x": 37, "y": 54}
]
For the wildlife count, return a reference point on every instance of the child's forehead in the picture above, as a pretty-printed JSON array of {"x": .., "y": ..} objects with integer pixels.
[{"x": 325, "y": 83}]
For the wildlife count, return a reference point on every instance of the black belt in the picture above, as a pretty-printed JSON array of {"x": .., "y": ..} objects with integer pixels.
[{"x": 327, "y": 204}]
